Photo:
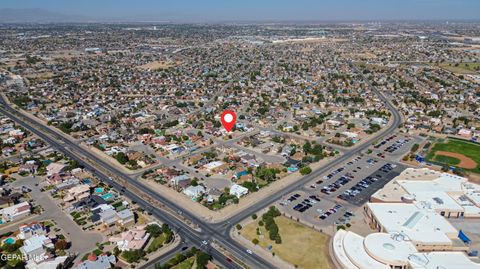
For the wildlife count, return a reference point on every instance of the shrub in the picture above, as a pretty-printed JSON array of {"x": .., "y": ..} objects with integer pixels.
[
  {"x": 305, "y": 170},
  {"x": 154, "y": 230},
  {"x": 133, "y": 255}
]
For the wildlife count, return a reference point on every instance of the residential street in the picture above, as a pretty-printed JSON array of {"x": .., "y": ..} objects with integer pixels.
[{"x": 82, "y": 241}]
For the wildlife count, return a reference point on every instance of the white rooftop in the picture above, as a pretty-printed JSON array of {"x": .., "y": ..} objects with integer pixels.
[
  {"x": 439, "y": 191},
  {"x": 388, "y": 248},
  {"x": 355, "y": 250},
  {"x": 443, "y": 259},
  {"x": 419, "y": 224}
]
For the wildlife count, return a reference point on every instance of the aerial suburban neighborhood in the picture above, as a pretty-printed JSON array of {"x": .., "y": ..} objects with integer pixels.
[{"x": 164, "y": 144}]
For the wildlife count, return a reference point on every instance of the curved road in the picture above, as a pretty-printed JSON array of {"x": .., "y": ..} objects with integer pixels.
[{"x": 217, "y": 232}]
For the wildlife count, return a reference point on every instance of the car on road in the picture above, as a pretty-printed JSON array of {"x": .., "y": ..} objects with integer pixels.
[{"x": 249, "y": 251}]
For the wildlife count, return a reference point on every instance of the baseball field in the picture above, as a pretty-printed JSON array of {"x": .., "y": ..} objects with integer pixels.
[{"x": 456, "y": 152}]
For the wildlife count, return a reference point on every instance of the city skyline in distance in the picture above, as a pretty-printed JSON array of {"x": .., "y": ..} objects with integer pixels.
[{"x": 237, "y": 11}]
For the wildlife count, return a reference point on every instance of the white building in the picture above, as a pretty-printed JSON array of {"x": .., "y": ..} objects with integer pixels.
[
  {"x": 194, "y": 191},
  {"x": 238, "y": 190},
  {"x": 15, "y": 212},
  {"x": 213, "y": 165},
  {"x": 46, "y": 264},
  {"x": 449, "y": 195},
  {"x": 409, "y": 214},
  {"x": 34, "y": 247},
  {"x": 387, "y": 251},
  {"x": 425, "y": 228}
]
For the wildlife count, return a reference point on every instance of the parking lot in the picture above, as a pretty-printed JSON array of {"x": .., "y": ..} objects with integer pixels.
[
  {"x": 332, "y": 197},
  {"x": 395, "y": 145}
]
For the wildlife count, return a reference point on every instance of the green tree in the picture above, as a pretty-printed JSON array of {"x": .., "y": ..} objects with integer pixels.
[
  {"x": 307, "y": 147},
  {"x": 414, "y": 147},
  {"x": 121, "y": 158},
  {"x": 202, "y": 260},
  {"x": 166, "y": 228},
  {"x": 154, "y": 230},
  {"x": 305, "y": 170},
  {"x": 133, "y": 255}
]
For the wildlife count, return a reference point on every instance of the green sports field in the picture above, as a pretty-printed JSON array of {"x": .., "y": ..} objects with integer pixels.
[{"x": 466, "y": 148}]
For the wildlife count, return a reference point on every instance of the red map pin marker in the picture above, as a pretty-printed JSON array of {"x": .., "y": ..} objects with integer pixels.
[{"x": 228, "y": 119}]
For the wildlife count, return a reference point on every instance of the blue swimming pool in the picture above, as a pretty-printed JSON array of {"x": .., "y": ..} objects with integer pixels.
[
  {"x": 98, "y": 190},
  {"x": 9, "y": 241},
  {"x": 108, "y": 196},
  {"x": 87, "y": 181}
]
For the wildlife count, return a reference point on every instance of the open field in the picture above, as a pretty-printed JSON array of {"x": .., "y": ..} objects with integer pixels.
[
  {"x": 300, "y": 245},
  {"x": 157, "y": 65},
  {"x": 461, "y": 68},
  {"x": 456, "y": 152}
]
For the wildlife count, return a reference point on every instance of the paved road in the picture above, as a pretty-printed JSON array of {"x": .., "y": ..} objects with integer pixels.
[
  {"x": 218, "y": 232},
  {"x": 79, "y": 154},
  {"x": 82, "y": 242}
]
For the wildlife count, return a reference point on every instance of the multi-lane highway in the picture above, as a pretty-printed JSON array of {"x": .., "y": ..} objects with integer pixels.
[
  {"x": 171, "y": 213},
  {"x": 124, "y": 184}
]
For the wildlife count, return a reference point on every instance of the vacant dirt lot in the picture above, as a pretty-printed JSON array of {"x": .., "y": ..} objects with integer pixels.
[
  {"x": 300, "y": 245},
  {"x": 158, "y": 65}
]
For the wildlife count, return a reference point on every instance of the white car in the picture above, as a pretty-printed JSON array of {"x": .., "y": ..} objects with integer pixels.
[
  {"x": 249, "y": 251},
  {"x": 204, "y": 242}
]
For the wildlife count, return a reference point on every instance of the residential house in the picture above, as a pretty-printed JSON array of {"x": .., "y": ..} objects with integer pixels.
[
  {"x": 194, "y": 191},
  {"x": 64, "y": 184},
  {"x": 126, "y": 217},
  {"x": 213, "y": 195},
  {"x": 107, "y": 216},
  {"x": 29, "y": 230},
  {"x": 215, "y": 166},
  {"x": 15, "y": 212},
  {"x": 238, "y": 190},
  {"x": 132, "y": 239},
  {"x": 93, "y": 261},
  {"x": 78, "y": 193},
  {"x": 47, "y": 263},
  {"x": 5, "y": 201},
  {"x": 34, "y": 247},
  {"x": 183, "y": 180},
  {"x": 55, "y": 168},
  {"x": 92, "y": 201}
]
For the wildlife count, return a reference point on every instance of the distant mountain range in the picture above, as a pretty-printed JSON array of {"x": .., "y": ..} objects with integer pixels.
[{"x": 8, "y": 15}]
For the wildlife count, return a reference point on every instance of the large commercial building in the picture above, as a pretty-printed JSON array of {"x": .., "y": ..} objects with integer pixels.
[
  {"x": 449, "y": 195},
  {"x": 391, "y": 251},
  {"x": 410, "y": 215}
]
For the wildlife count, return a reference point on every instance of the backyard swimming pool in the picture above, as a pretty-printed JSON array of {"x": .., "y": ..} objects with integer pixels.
[
  {"x": 98, "y": 190},
  {"x": 9, "y": 240},
  {"x": 108, "y": 196}
]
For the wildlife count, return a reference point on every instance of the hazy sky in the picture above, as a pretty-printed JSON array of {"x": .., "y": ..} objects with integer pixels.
[{"x": 260, "y": 10}]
